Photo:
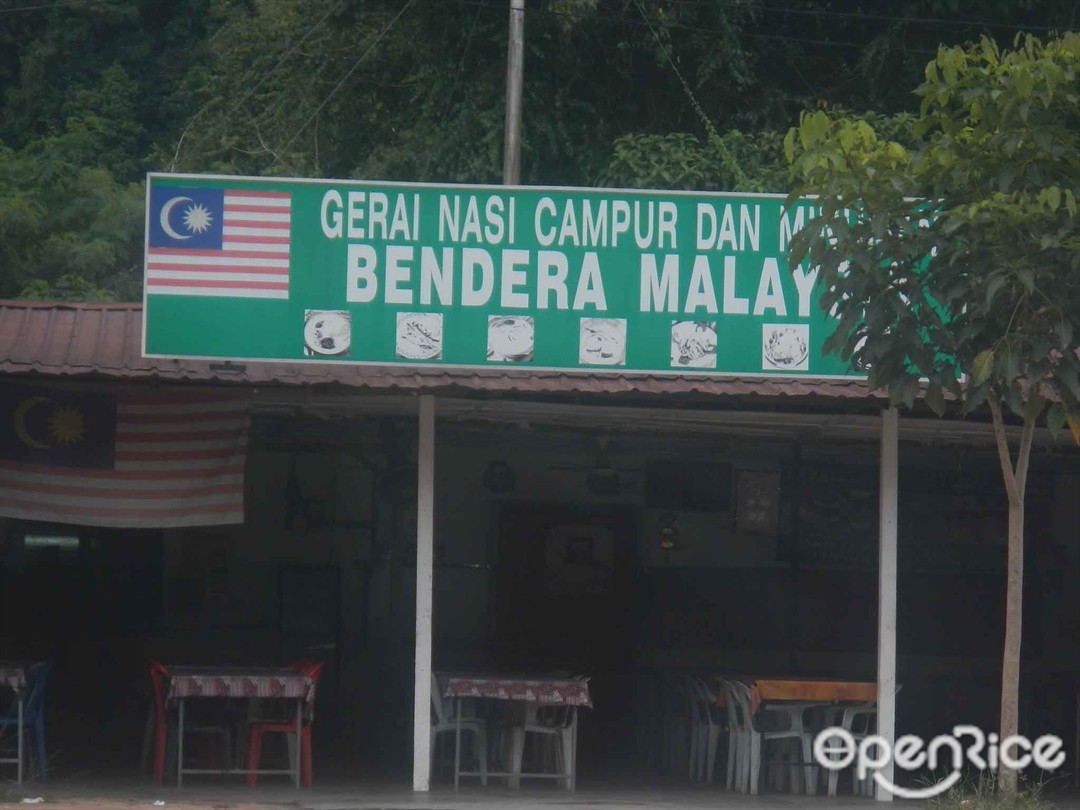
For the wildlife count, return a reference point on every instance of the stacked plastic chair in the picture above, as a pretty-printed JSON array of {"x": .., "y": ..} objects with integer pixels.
[
  {"x": 752, "y": 740},
  {"x": 706, "y": 723}
]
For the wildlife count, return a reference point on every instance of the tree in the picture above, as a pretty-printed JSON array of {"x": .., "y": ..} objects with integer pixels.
[{"x": 954, "y": 269}]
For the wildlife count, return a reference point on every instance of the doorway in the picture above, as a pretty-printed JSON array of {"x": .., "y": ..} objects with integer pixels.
[{"x": 565, "y": 602}]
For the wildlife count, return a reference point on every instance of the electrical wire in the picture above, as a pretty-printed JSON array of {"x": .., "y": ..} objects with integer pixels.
[
  {"x": 265, "y": 76},
  {"x": 868, "y": 16},
  {"x": 454, "y": 86},
  {"x": 57, "y": 4},
  {"x": 767, "y": 37},
  {"x": 338, "y": 86},
  {"x": 710, "y": 128}
]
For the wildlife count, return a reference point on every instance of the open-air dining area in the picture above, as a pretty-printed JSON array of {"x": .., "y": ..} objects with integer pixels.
[{"x": 628, "y": 604}]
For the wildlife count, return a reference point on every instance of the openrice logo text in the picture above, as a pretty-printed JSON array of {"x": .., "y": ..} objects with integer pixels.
[{"x": 871, "y": 753}]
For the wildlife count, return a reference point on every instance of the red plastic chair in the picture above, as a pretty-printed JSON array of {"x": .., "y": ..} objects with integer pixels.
[
  {"x": 256, "y": 731},
  {"x": 159, "y": 676}
]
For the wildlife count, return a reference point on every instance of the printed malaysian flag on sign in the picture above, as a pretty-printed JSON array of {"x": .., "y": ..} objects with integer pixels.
[
  {"x": 212, "y": 241},
  {"x": 140, "y": 460}
]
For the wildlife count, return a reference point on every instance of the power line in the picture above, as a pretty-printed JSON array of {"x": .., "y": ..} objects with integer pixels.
[
  {"x": 868, "y": 16},
  {"x": 344, "y": 78},
  {"x": 699, "y": 29},
  {"x": 709, "y": 127},
  {"x": 266, "y": 75},
  {"x": 453, "y": 87},
  {"x": 57, "y": 4}
]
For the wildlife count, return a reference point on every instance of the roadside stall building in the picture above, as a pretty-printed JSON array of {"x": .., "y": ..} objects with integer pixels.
[{"x": 407, "y": 480}]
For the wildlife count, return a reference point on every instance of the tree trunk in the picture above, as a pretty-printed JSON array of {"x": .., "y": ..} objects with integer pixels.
[
  {"x": 1010, "y": 665},
  {"x": 1015, "y": 484}
]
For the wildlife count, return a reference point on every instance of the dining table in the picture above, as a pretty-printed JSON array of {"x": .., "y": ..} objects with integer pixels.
[
  {"x": 14, "y": 675},
  {"x": 535, "y": 690},
  {"x": 808, "y": 690},
  {"x": 243, "y": 683}
]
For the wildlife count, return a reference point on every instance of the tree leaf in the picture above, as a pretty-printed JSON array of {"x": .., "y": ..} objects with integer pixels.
[
  {"x": 935, "y": 399},
  {"x": 992, "y": 287},
  {"x": 982, "y": 365},
  {"x": 1074, "y": 427},
  {"x": 1055, "y": 417},
  {"x": 1033, "y": 408}
]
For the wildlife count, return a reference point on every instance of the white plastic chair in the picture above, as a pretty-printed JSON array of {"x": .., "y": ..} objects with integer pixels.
[
  {"x": 677, "y": 725},
  {"x": 860, "y": 720},
  {"x": 825, "y": 716},
  {"x": 557, "y": 724},
  {"x": 706, "y": 726},
  {"x": 751, "y": 740},
  {"x": 444, "y": 720}
]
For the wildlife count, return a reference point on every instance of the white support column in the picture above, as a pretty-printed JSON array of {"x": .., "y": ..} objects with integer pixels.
[
  {"x": 886, "y": 663},
  {"x": 425, "y": 524}
]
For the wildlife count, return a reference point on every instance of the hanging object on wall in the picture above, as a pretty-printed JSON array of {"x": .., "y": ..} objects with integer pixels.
[
  {"x": 602, "y": 479},
  {"x": 499, "y": 477},
  {"x": 301, "y": 512},
  {"x": 669, "y": 531},
  {"x": 757, "y": 507}
]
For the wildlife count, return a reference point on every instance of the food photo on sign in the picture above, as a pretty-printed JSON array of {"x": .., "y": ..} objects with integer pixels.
[
  {"x": 603, "y": 342},
  {"x": 511, "y": 338},
  {"x": 693, "y": 344},
  {"x": 419, "y": 336},
  {"x": 327, "y": 332},
  {"x": 785, "y": 347}
]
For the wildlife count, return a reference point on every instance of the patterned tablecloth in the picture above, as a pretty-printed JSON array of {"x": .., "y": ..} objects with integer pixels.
[
  {"x": 547, "y": 691},
  {"x": 13, "y": 674},
  {"x": 239, "y": 682}
]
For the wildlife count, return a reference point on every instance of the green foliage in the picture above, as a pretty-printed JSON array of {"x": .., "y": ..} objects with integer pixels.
[
  {"x": 734, "y": 161},
  {"x": 961, "y": 256},
  {"x": 979, "y": 792},
  {"x": 66, "y": 229},
  {"x": 347, "y": 88}
]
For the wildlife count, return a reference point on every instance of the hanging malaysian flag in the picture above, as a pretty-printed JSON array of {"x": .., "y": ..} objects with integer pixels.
[
  {"x": 140, "y": 459},
  {"x": 221, "y": 242}
]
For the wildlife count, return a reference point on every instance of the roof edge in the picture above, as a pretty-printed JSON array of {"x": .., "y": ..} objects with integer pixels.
[{"x": 16, "y": 303}]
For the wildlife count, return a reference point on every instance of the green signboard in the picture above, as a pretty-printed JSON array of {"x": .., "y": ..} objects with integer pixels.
[{"x": 574, "y": 279}]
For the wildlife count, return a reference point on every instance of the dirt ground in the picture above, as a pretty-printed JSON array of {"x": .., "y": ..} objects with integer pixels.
[{"x": 131, "y": 804}]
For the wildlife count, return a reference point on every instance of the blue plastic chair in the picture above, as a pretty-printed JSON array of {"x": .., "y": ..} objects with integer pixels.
[{"x": 33, "y": 714}]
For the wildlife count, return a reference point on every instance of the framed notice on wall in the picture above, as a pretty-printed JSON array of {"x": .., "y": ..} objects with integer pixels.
[
  {"x": 757, "y": 504},
  {"x": 579, "y": 560}
]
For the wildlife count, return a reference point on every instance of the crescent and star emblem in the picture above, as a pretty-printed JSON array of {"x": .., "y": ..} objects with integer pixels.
[
  {"x": 166, "y": 211},
  {"x": 20, "y": 421}
]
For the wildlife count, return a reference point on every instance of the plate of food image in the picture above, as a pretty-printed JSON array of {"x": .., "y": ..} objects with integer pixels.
[
  {"x": 786, "y": 347},
  {"x": 693, "y": 344},
  {"x": 602, "y": 342},
  {"x": 511, "y": 338},
  {"x": 419, "y": 335},
  {"x": 327, "y": 332}
]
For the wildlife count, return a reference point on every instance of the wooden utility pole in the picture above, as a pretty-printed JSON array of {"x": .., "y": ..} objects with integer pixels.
[{"x": 515, "y": 63}]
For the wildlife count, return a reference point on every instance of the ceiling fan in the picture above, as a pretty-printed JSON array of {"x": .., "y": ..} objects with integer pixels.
[{"x": 601, "y": 477}]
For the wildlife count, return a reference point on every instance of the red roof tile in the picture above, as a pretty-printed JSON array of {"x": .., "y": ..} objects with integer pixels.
[{"x": 105, "y": 340}]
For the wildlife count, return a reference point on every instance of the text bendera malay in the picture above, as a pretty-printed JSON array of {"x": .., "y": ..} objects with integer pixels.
[{"x": 477, "y": 263}]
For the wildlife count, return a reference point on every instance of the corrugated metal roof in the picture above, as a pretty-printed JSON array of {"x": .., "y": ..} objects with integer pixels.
[{"x": 105, "y": 340}]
